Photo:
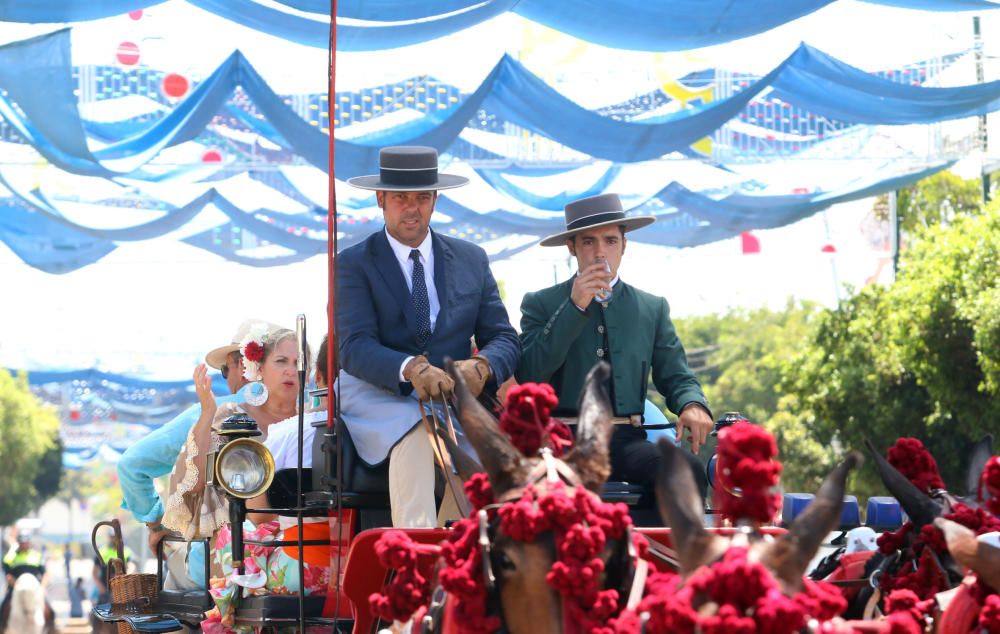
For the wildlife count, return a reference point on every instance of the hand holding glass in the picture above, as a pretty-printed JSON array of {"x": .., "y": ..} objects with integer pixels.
[{"x": 604, "y": 296}]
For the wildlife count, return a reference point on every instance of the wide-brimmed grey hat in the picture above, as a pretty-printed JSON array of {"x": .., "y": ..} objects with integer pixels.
[
  {"x": 408, "y": 168},
  {"x": 593, "y": 212}
]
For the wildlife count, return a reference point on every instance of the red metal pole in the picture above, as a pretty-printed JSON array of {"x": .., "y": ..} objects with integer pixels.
[{"x": 334, "y": 587}]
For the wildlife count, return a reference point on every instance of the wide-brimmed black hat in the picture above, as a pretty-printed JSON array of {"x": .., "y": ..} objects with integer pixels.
[
  {"x": 408, "y": 168},
  {"x": 592, "y": 212}
]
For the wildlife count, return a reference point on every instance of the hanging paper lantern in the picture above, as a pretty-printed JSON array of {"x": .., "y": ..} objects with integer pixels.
[
  {"x": 211, "y": 156},
  {"x": 175, "y": 86},
  {"x": 751, "y": 243},
  {"x": 128, "y": 54},
  {"x": 135, "y": 15},
  {"x": 828, "y": 248}
]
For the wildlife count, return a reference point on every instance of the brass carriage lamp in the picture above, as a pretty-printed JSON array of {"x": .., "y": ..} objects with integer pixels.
[{"x": 243, "y": 467}]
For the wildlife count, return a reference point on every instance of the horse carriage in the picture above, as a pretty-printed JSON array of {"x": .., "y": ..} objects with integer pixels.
[{"x": 353, "y": 498}]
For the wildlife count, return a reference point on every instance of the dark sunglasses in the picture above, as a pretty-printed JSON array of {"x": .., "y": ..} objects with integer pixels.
[{"x": 225, "y": 371}]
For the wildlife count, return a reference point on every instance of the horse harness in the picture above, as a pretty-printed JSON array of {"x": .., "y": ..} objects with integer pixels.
[{"x": 548, "y": 470}]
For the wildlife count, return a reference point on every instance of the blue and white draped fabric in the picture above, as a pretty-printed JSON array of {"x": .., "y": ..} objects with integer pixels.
[{"x": 624, "y": 24}]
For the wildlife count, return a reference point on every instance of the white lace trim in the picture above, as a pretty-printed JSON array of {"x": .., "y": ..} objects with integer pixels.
[{"x": 212, "y": 507}]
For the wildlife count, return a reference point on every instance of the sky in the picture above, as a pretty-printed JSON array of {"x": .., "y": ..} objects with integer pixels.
[{"x": 153, "y": 308}]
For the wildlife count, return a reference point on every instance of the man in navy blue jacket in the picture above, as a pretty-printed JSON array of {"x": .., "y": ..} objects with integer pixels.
[{"x": 407, "y": 298}]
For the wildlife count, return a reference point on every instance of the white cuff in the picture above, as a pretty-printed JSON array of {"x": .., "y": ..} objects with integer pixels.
[{"x": 402, "y": 367}]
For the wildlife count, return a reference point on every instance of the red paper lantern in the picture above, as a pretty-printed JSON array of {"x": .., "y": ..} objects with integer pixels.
[
  {"x": 128, "y": 54},
  {"x": 750, "y": 243},
  {"x": 211, "y": 156},
  {"x": 175, "y": 86},
  {"x": 135, "y": 15}
]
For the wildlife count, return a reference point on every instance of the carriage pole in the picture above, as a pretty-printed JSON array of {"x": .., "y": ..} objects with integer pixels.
[{"x": 332, "y": 401}]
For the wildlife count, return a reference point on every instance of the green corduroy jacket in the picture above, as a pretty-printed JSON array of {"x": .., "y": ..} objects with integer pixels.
[{"x": 560, "y": 344}]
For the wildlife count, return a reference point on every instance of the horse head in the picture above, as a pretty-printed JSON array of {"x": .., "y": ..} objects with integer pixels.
[
  {"x": 523, "y": 561},
  {"x": 786, "y": 557}
]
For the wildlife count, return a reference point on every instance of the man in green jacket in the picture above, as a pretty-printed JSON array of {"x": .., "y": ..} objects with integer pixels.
[{"x": 569, "y": 327}]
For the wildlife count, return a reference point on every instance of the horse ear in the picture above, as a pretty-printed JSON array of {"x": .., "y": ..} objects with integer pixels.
[
  {"x": 790, "y": 555},
  {"x": 974, "y": 553},
  {"x": 918, "y": 506},
  {"x": 980, "y": 454},
  {"x": 501, "y": 460},
  {"x": 681, "y": 507},
  {"x": 593, "y": 433}
]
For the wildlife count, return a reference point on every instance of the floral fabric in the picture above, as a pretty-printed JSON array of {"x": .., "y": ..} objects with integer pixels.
[{"x": 268, "y": 570}]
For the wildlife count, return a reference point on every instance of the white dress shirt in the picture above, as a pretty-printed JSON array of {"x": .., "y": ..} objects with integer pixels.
[{"x": 402, "y": 253}]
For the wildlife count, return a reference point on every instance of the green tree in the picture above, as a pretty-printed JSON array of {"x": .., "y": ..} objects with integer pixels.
[
  {"x": 741, "y": 368},
  {"x": 933, "y": 201},
  {"x": 50, "y": 472},
  {"x": 27, "y": 432},
  {"x": 921, "y": 358}
]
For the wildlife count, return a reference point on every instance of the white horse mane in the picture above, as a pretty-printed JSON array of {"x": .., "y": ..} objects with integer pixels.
[{"x": 27, "y": 606}]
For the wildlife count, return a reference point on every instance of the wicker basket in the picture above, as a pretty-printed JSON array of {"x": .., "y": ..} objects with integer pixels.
[{"x": 130, "y": 593}]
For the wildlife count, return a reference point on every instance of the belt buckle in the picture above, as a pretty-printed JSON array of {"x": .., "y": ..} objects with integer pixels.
[{"x": 635, "y": 420}]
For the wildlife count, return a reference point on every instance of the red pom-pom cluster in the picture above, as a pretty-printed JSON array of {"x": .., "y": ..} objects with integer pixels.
[
  {"x": 478, "y": 490},
  {"x": 906, "y": 613},
  {"x": 747, "y": 597},
  {"x": 747, "y": 474},
  {"x": 989, "y": 485},
  {"x": 254, "y": 351},
  {"x": 527, "y": 420},
  {"x": 581, "y": 525},
  {"x": 989, "y": 615},
  {"x": 408, "y": 590},
  {"x": 911, "y": 458},
  {"x": 925, "y": 579}
]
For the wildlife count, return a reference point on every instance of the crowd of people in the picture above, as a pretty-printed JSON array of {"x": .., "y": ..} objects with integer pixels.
[{"x": 407, "y": 299}]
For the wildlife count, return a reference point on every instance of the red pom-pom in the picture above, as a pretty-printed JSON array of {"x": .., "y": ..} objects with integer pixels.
[
  {"x": 408, "y": 590},
  {"x": 891, "y": 541},
  {"x": 989, "y": 485},
  {"x": 911, "y": 458},
  {"x": 478, "y": 490},
  {"x": 748, "y": 474},
  {"x": 989, "y": 616},
  {"x": 527, "y": 420}
]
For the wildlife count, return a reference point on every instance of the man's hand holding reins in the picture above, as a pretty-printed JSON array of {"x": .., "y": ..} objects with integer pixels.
[
  {"x": 696, "y": 419},
  {"x": 475, "y": 372},
  {"x": 429, "y": 382}
]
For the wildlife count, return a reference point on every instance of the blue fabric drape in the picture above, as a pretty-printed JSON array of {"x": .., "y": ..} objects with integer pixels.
[
  {"x": 827, "y": 86},
  {"x": 36, "y": 231},
  {"x": 497, "y": 179},
  {"x": 37, "y": 76},
  {"x": 624, "y": 24}
]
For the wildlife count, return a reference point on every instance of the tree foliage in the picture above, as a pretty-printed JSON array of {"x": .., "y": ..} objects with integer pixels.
[
  {"x": 28, "y": 430},
  {"x": 921, "y": 358},
  {"x": 933, "y": 201},
  {"x": 749, "y": 351}
]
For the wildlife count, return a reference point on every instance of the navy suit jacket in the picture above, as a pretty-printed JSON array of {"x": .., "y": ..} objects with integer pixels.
[{"x": 378, "y": 327}]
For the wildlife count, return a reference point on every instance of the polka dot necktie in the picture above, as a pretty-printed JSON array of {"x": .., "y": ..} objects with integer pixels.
[{"x": 421, "y": 304}]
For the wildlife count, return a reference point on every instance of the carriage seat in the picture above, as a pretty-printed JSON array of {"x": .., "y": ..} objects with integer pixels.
[
  {"x": 795, "y": 503},
  {"x": 364, "y": 486},
  {"x": 283, "y": 610}
]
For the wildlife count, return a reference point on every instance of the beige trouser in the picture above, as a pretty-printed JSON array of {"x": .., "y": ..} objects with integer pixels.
[{"x": 411, "y": 484}]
